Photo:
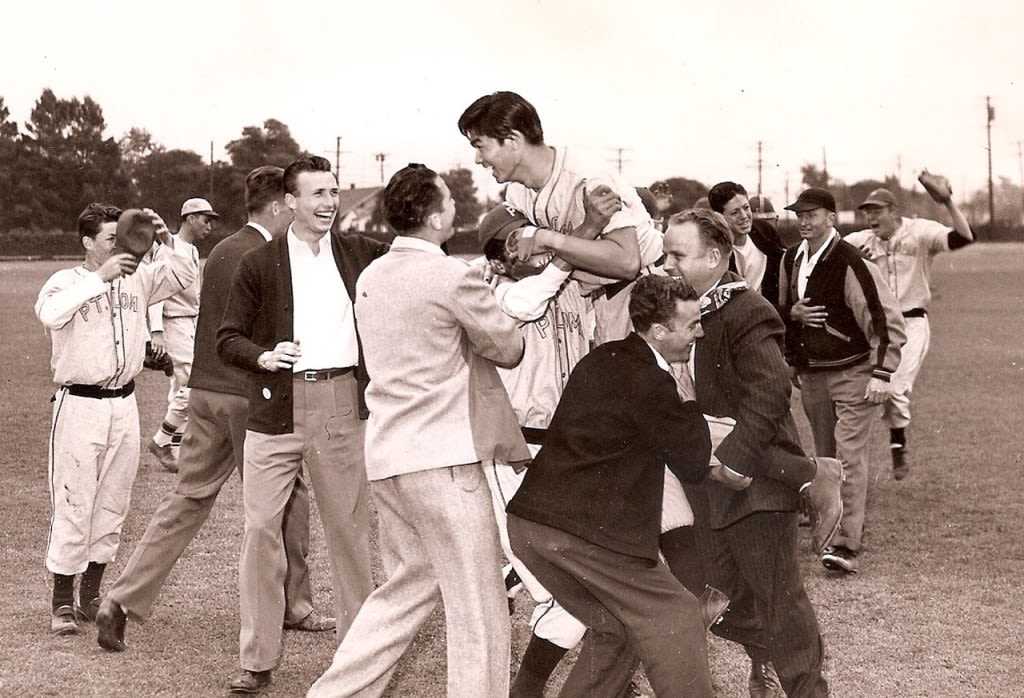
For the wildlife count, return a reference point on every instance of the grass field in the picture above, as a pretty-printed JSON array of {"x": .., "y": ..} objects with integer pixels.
[{"x": 936, "y": 610}]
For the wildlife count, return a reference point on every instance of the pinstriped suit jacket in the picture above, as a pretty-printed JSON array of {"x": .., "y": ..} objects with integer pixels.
[{"x": 740, "y": 372}]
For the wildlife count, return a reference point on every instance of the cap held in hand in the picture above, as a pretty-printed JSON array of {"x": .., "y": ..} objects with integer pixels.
[{"x": 135, "y": 232}]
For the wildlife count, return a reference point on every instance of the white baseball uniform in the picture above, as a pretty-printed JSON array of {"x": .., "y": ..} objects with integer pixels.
[
  {"x": 98, "y": 334},
  {"x": 556, "y": 336},
  {"x": 905, "y": 261},
  {"x": 558, "y": 205},
  {"x": 176, "y": 318}
]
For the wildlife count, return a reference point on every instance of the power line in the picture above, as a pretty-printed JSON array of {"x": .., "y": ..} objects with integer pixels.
[{"x": 619, "y": 160}]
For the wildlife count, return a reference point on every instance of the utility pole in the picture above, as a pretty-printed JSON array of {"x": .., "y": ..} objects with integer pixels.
[
  {"x": 381, "y": 157},
  {"x": 211, "y": 171},
  {"x": 899, "y": 170},
  {"x": 619, "y": 159},
  {"x": 760, "y": 165},
  {"x": 824, "y": 166},
  {"x": 991, "y": 115},
  {"x": 337, "y": 160},
  {"x": 1020, "y": 163}
]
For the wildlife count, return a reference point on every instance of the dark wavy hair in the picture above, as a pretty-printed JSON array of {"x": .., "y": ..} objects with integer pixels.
[
  {"x": 306, "y": 163},
  {"x": 653, "y": 299},
  {"x": 94, "y": 216},
  {"x": 262, "y": 186},
  {"x": 722, "y": 193},
  {"x": 499, "y": 114},
  {"x": 411, "y": 196}
]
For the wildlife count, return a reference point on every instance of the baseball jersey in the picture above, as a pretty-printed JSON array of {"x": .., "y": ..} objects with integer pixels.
[
  {"x": 183, "y": 304},
  {"x": 559, "y": 203},
  {"x": 905, "y": 259},
  {"x": 556, "y": 335},
  {"x": 98, "y": 330}
]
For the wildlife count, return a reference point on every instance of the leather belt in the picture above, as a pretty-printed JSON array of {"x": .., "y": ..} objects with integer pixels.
[
  {"x": 96, "y": 392},
  {"x": 533, "y": 435},
  {"x": 323, "y": 374},
  {"x": 915, "y": 312}
]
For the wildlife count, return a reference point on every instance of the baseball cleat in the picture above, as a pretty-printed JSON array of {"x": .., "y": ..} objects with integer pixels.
[
  {"x": 839, "y": 559},
  {"x": 900, "y": 466},
  {"x": 63, "y": 621},
  {"x": 110, "y": 622},
  {"x": 164, "y": 456}
]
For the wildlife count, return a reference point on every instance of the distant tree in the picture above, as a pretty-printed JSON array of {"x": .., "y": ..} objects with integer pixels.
[
  {"x": 685, "y": 193},
  {"x": 136, "y": 145},
  {"x": 11, "y": 157},
  {"x": 467, "y": 207},
  {"x": 79, "y": 165},
  {"x": 812, "y": 176},
  {"x": 271, "y": 144},
  {"x": 166, "y": 178}
]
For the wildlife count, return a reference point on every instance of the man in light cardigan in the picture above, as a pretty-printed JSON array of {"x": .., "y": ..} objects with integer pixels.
[{"x": 432, "y": 335}]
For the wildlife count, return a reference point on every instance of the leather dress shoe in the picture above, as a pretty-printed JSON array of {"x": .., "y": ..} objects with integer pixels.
[
  {"x": 824, "y": 502},
  {"x": 314, "y": 622},
  {"x": 250, "y": 681},
  {"x": 764, "y": 682},
  {"x": 110, "y": 622},
  {"x": 713, "y": 605}
]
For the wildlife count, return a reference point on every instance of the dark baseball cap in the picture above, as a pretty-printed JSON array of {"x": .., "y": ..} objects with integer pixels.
[
  {"x": 879, "y": 197},
  {"x": 500, "y": 222},
  {"x": 759, "y": 203},
  {"x": 813, "y": 198},
  {"x": 135, "y": 232}
]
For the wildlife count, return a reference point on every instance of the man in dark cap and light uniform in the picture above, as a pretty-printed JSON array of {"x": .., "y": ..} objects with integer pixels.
[
  {"x": 844, "y": 331},
  {"x": 903, "y": 248}
]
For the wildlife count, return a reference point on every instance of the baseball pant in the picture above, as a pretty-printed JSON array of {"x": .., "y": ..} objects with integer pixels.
[
  {"x": 211, "y": 450},
  {"x": 841, "y": 418},
  {"x": 632, "y": 610},
  {"x": 180, "y": 337},
  {"x": 549, "y": 621},
  {"x": 327, "y": 437},
  {"x": 896, "y": 410},
  {"x": 438, "y": 541},
  {"x": 93, "y": 458}
]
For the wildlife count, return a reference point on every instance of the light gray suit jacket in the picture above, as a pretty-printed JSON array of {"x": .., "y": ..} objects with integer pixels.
[{"x": 432, "y": 334}]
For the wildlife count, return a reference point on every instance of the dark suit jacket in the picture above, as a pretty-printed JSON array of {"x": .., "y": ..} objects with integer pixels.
[
  {"x": 259, "y": 314},
  {"x": 601, "y": 471},
  {"x": 766, "y": 238},
  {"x": 740, "y": 372},
  {"x": 209, "y": 372}
]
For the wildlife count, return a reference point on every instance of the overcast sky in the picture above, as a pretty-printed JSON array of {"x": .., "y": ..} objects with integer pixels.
[{"x": 683, "y": 88}]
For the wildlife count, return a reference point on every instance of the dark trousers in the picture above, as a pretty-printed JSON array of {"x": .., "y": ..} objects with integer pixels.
[
  {"x": 754, "y": 562},
  {"x": 632, "y": 611}
]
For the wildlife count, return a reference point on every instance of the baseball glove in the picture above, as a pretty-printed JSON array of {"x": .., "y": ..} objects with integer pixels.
[
  {"x": 158, "y": 363},
  {"x": 937, "y": 186}
]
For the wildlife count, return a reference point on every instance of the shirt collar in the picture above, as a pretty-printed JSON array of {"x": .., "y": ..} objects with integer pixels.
[
  {"x": 413, "y": 243},
  {"x": 260, "y": 229},
  {"x": 297, "y": 245},
  {"x": 657, "y": 356},
  {"x": 804, "y": 249}
]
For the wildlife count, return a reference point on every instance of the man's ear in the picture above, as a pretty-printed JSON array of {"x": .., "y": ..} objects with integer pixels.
[
  {"x": 434, "y": 220},
  {"x": 290, "y": 201},
  {"x": 516, "y": 139}
]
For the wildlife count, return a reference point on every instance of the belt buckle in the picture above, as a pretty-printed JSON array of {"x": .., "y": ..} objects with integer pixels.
[{"x": 309, "y": 376}]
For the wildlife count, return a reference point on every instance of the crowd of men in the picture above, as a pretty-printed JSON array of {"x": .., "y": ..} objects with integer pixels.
[{"x": 602, "y": 402}]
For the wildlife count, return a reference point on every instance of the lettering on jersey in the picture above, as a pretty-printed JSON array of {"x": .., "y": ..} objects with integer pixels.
[
  {"x": 101, "y": 305},
  {"x": 565, "y": 320},
  {"x": 128, "y": 301}
]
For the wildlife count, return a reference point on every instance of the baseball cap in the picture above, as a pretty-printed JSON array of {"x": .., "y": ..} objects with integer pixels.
[
  {"x": 647, "y": 199},
  {"x": 135, "y": 232},
  {"x": 500, "y": 222},
  {"x": 813, "y": 198},
  {"x": 879, "y": 197},
  {"x": 759, "y": 203},
  {"x": 197, "y": 205}
]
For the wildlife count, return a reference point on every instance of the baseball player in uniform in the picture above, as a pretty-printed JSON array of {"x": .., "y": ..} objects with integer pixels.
[
  {"x": 95, "y": 315},
  {"x": 903, "y": 248},
  {"x": 548, "y": 185},
  {"x": 172, "y": 326}
]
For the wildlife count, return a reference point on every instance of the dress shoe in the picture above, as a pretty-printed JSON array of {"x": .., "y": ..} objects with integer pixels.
[
  {"x": 823, "y": 499},
  {"x": 164, "y": 456},
  {"x": 713, "y": 605},
  {"x": 86, "y": 612},
  {"x": 764, "y": 682},
  {"x": 250, "y": 681},
  {"x": 900, "y": 464},
  {"x": 62, "y": 622},
  {"x": 839, "y": 559},
  {"x": 110, "y": 622},
  {"x": 314, "y": 622}
]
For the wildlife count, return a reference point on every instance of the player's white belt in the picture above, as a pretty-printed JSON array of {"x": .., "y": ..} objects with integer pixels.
[{"x": 323, "y": 374}]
